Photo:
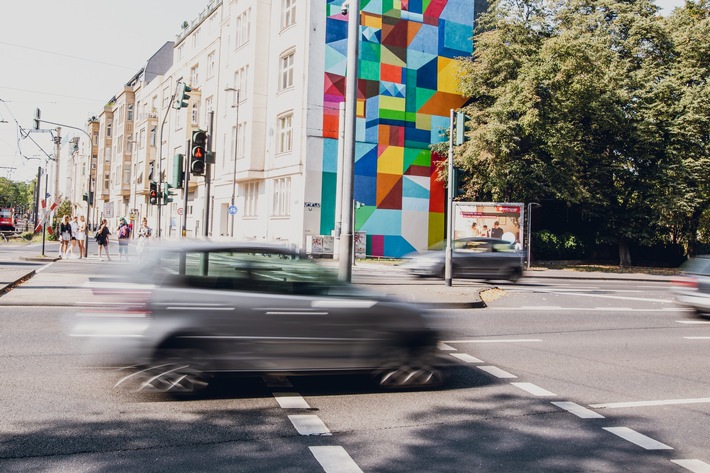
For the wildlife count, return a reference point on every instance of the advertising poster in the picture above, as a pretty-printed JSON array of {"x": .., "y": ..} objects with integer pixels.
[{"x": 489, "y": 219}]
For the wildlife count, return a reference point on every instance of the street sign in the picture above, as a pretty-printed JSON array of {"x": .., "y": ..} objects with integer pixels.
[
  {"x": 232, "y": 210},
  {"x": 179, "y": 211}
]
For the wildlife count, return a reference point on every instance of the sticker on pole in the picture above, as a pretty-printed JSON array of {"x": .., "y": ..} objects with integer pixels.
[{"x": 232, "y": 210}]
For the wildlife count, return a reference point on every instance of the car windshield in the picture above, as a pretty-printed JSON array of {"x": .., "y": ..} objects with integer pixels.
[{"x": 697, "y": 266}]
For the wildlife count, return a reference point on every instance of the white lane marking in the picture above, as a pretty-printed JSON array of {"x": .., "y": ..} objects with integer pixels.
[
  {"x": 694, "y": 322},
  {"x": 444, "y": 347},
  {"x": 603, "y": 296},
  {"x": 697, "y": 338},
  {"x": 696, "y": 466},
  {"x": 343, "y": 304},
  {"x": 335, "y": 460},
  {"x": 541, "y": 307},
  {"x": 637, "y": 438},
  {"x": 579, "y": 411},
  {"x": 39, "y": 270},
  {"x": 466, "y": 358},
  {"x": 277, "y": 382},
  {"x": 495, "y": 341},
  {"x": 309, "y": 425},
  {"x": 587, "y": 309},
  {"x": 667, "y": 402},
  {"x": 533, "y": 389},
  {"x": 497, "y": 372},
  {"x": 291, "y": 401}
]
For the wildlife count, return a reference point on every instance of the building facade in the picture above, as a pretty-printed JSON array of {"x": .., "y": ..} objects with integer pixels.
[{"x": 268, "y": 82}]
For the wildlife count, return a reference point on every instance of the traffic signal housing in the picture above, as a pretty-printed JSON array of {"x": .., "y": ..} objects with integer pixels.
[
  {"x": 458, "y": 180},
  {"x": 182, "y": 97},
  {"x": 461, "y": 128},
  {"x": 153, "y": 193},
  {"x": 198, "y": 152},
  {"x": 88, "y": 197},
  {"x": 168, "y": 194}
]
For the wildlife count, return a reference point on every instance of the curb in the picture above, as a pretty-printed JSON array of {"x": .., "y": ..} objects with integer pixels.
[{"x": 8, "y": 287}]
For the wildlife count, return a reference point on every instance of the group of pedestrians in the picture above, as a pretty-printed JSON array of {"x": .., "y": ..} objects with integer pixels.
[{"x": 73, "y": 232}]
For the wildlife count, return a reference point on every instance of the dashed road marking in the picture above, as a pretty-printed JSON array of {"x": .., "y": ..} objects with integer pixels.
[
  {"x": 665, "y": 402},
  {"x": 309, "y": 425},
  {"x": 533, "y": 389},
  {"x": 694, "y": 465},
  {"x": 637, "y": 438},
  {"x": 291, "y": 401},
  {"x": 497, "y": 372},
  {"x": 444, "y": 347},
  {"x": 697, "y": 338},
  {"x": 466, "y": 358},
  {"x": 335, "y": 459},
  {"x": 694, "y": 322},
  {"x": 521, "y": 340},
  {"x": 579, "y": 411}
]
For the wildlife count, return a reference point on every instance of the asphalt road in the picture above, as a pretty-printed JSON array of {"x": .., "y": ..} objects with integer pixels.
[{"x": 587, "y": 346}]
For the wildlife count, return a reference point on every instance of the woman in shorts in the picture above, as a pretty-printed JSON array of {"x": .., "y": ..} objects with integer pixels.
[
  {"x": 102, "y": 237},
  {"x": 81, "y": 237},
  {"x": 64, "y": 236}
]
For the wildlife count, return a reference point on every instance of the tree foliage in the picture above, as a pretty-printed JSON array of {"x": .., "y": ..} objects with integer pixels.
[
  {"x": 602, "y": 104},
  {"x": 19, "y": 195}
]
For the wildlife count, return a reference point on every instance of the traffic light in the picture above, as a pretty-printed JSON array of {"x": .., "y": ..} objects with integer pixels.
[
  {"x": 168, "y": 194},
  {"x": 88, "y": 197},
  {"x": 153, "y": 193},
  {"x": 461, "y": 128},
  {"x": 178, "y": 174},
  {"x": 197, "y": 161},
  {"x": 182, "y": 97},
  {"x": 458, "y": 180},
  {"x": 37, "y": 119}
]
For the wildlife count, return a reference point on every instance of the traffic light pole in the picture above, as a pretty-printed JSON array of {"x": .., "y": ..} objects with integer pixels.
[
  {"x": 448, "y": 269},
  {"x": 188, "y": 146}
]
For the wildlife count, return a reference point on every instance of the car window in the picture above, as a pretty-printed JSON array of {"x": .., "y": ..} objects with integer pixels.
[
  {"x": 503, "y": 247},
  {"x": 697, "y": 266},
  {"x": 476, "y": 247}
]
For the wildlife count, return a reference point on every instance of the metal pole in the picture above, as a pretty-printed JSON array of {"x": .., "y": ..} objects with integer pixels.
[
  {"x": 236, "y": 155},
  {"x": 346, "y": 236},
  {"x": 188, "y": 146},
  {"x": 448, "y": 264},
  {"x": 57, "y": 150},
  {"x": 339, "y": 180},
  {"x": 208, "y": 174},
  {"x": 44, "y": 227}
]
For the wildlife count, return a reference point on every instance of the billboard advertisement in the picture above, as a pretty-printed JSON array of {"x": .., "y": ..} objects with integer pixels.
[{"x": 489, "y": 219}]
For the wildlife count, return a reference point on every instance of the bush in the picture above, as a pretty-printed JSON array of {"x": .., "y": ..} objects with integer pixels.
[
  {"x": 548, "y": 246},
  {"x": 27, "y": 236}
]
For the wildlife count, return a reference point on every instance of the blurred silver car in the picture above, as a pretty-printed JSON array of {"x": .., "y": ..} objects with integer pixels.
[
  {"x": 474, "y": 257},
  {"x": 201, "y": 308},
  {"x": 692, "y": 287}
]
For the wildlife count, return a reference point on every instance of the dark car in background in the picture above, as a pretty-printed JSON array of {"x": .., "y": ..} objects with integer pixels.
[
  {"x": 474, "y": 257},
  {"x": 692, "y": 287},
  {"x": 197, "y": 309}
]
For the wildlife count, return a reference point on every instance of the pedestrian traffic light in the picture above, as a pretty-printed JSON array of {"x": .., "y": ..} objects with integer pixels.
[
  {"x": 168, "y": 194},
  {"x": 153, "y": 193},
  {"x": 458, "y": 180},
  {"x": 461, "y": 128},
  {"x": 182, "y": 97},
  {"x": 197, "y": 158}
]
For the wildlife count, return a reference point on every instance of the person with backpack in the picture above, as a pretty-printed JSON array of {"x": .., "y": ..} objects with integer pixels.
[{"x": 124, "y": 236}]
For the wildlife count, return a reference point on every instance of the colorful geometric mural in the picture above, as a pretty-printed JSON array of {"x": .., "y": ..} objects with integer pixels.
[{"x": 407, "y": 83}]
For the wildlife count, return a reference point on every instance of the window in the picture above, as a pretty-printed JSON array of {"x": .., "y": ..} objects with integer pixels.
[
  {"x": 288, "y": 13},
  {"x": 108, "y": 129},
  {"x": 141, "y": 138},
  {"x": 130, "y": 113},
  {"x": 243, "y": 28},
  {"x": 285, "y": 134},
  {"x": 95, "y": 138},
  {"x": 286, "y": 71},
  {"x": 129, "y": 144},
  {"x": 179, "y": 51},
  {"x": 196, "y": 38},
  {"x": 240, "y": 82},
  {"x": 195, "y": 76},
  {"x": 153, "y": 133},
  {"x": 282, "y": 197},
  {"x": 209, "y": 107},
  {"x": 166, "y": 96},
  {"x": 251, "y": 196},
  {"x": 210, "y": 64},
  {"x": 242, "y": 143},
  {"x": 126, "y": 175}
]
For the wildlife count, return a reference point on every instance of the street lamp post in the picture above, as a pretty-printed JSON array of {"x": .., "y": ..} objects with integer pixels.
[
  {"x": 351, "y": 8},
  {"x": 236, "y": 152}
]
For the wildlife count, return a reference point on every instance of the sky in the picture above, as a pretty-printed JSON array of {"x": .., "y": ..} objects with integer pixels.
[{"x": 69, "y": 57}]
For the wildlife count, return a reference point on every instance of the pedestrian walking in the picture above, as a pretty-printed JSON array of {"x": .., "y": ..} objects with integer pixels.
[
  {"x": 74, "y": 224},
  {"x": 102, "y": 238},
  {"x": 124, "y": 236},
  {"x": 144, "y": 233},
  {"x": 81, "y": 237},
  {"x": 64, "y": 236}
]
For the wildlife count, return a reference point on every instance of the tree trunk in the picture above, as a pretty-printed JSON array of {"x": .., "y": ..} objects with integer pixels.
[{"x": 624, "y": 253}]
